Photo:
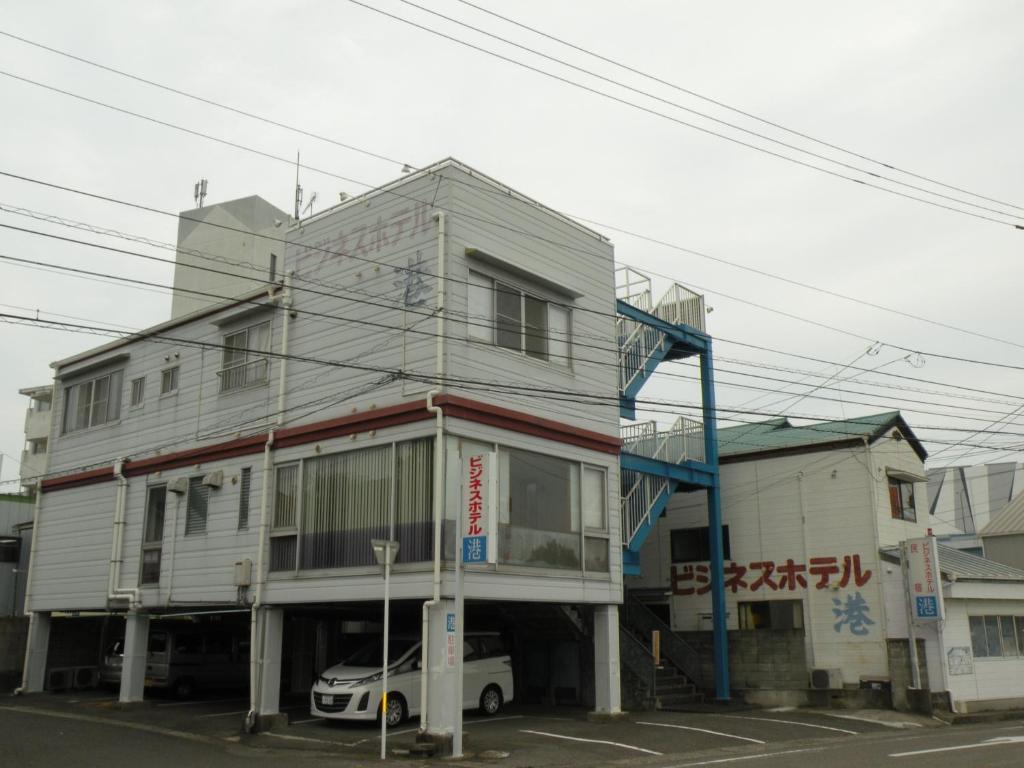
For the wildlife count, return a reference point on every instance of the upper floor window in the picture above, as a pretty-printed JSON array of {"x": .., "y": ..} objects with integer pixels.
[
  {"x": 138, "y": 391},
  {"x": 690, "y": 545},
  {"x": 93, "y": 402},
  {"x": 503, "y": 315},
  {"x": 245, "y": 357},
  {"x": 196, "y": 506},
  {"x": 901, "y": 499},
  {"x": 169, "y": 380}
]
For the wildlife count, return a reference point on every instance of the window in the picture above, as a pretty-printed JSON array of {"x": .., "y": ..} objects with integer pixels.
[
  {"x": 169, "y": 380},
  {"x": 901, "y": 500},
  {"x": 245, "y": 357},
  {"x": 503, "y": 315},
  {"x": 10, "y": 549},
  {"x": 771, "y": 614},
  {"x": 994, "y": 636},
  {"x": 138, "y": 391},
  {"x": 328, "y": 508},
  {"x": 694, "y": 544},
  {"x": 595, "y": 520},
  {"x": 93, "y": 402},
  {"x": 243, "y": 498},
  {"x": 195, "y": 512},
  {"x": 153, "y": 534}
]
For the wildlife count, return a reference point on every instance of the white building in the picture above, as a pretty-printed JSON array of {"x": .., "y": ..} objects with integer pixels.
[
  {"x": 439, "y": 317},
  {"x": 811, "y": 600},
  {"x": 34, "y": 457}
]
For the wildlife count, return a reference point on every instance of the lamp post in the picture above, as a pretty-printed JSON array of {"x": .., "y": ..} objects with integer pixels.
[{"x": 385, "y": 551}]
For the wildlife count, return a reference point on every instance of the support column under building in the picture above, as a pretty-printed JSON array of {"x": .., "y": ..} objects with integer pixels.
[
  {"x": 271, "y": 631},
  {"x": 33, "y": 676},
  {"x": 133, "y": 665},
  {"x": 607, "y": 686},
  {"x": 443, "y": 704}
]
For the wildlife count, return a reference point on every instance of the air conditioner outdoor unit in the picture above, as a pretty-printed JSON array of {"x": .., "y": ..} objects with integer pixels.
[
  {"x": 178, "y": 485},
  {"x": 86, "y": 677},
  {"x": 60, "y": 679},
  {"x": 214, "y": 479},
  {"x": 826, "y": 679}
]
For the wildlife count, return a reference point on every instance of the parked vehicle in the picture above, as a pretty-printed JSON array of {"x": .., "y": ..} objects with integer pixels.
[
  {"x": 353, "y": 689},
  {"x": 184, "y": 659}
]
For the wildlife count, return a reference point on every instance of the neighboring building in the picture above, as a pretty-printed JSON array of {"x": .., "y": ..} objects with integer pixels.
[
  {"x": 225, "y": 250},
  {"x": 15, "y": 545},
  {"x": 1003, "y": 537},
  {"x": 962, "y": 500},
  {"x": 35, "y": 456},
  {"x": 246, "y": 454}
]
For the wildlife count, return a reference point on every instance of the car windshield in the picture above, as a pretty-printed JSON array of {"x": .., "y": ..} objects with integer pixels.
[{"x": 370, "y": 655}]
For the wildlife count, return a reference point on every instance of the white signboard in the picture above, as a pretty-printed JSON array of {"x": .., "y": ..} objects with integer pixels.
[
  {"x": 924, "y": 584},
  {"x": 478, "y": 516}
]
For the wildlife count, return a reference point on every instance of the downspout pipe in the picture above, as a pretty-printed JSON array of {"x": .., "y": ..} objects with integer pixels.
[
  {"x": 255, "y": 637},
  {"x": 115, "y": 591},
  {"x": 439, "y": 451},
  {"x": 28, "y": 579}
]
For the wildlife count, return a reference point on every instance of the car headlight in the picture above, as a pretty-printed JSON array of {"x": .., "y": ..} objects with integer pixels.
[{"x": 371, "y": 679}]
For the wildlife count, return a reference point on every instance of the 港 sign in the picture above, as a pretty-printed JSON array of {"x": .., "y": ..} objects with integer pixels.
[
  {"x": 478, "y": 516},
  {"x": 924, "y": 584}
]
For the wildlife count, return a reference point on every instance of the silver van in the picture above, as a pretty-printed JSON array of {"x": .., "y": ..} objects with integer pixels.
[{"x": 184, "y": 659}]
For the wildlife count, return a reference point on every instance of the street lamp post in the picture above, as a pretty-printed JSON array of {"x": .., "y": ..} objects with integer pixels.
[{"x": 385, "y": 551}]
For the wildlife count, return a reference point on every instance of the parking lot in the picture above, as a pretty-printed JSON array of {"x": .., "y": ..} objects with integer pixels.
[{"x": 518, "y": 736}]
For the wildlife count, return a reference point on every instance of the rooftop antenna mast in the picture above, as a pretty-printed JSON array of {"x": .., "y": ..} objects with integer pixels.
[
  {"x": 298, "y": 188},
  {"x": 309, "y": 205},
  {"x": 200, "y": 193}
]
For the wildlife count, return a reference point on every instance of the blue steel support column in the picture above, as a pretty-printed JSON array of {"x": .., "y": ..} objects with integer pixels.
[{"x": 721, "y": 642}]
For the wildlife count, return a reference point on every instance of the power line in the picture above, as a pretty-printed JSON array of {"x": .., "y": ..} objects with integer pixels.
[
  {"x": 731, "y": 108},
  {"x": 665, "y": 116}
]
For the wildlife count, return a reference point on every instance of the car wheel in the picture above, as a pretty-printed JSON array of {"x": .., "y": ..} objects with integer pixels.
[
  {"x": 491, "y": 700},
  {"x": 184, "y": 688},
  {"x": 398, "y": 710}
]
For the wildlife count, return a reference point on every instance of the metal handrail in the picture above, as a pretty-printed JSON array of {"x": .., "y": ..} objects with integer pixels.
[
  {"x": 244, "y": 374},
  {"x": 673, "y": 648}
]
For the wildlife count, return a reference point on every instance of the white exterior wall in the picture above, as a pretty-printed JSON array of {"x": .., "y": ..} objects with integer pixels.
[
  {"x": 366, "y": 323},
  {"x": 824, "y": 504},
  {"x": 993, "y": 679}
]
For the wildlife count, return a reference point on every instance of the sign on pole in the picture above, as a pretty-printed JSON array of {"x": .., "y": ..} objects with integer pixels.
[
  {"x": 479, "y": 519},
  {"x": 924, "y": 583}
]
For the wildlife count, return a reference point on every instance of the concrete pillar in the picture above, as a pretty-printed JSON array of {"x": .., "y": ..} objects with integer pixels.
[
  {"x": 442, "y": 703},
  {"x": 133, "y": 666},
  {"x": 271, "y": 634},
  {"x": 33, "y": 677},
  {"x": 607, "y": 692}
]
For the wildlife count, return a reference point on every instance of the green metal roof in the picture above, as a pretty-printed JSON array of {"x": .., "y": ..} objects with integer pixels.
[{"x": 779, "y": 434}]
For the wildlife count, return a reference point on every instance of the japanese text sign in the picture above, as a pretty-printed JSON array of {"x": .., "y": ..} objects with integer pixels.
[
  {"x": 924, "y": 583},
  {"x": 478, "y": 516}
]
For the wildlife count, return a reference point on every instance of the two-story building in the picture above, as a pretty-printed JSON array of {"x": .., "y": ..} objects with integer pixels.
[{"x": 246, "y": 454}]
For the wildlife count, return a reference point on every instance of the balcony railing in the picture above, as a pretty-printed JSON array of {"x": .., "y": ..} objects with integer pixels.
[{"x": 243, "y": 375}]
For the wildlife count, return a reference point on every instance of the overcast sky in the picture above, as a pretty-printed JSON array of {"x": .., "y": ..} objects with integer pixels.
[{"x": 933, "y": 88}]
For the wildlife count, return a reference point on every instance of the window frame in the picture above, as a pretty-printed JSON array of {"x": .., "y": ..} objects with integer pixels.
[
  {"x": 155, "y": 544},
  {"x": 239, "y": 358},
  {"x": 981, "y": 624},
  {"x": 898, "y": 504},
  {"x": 72, "y": 394},
  {"x": 196, "y": 481},
  {"x": 703, "y": 544},
  {"x": 244, "y": 497},
  {"x": 169, "y": 379},
  {"x": 140, "y": 381}
]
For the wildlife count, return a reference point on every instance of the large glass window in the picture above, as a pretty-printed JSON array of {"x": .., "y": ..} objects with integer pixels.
[
  {"x": 994, "y": 636},
  {"x": 327, "y": 518},
  {"x": 245, "y": 357},
  {"x": 93, "y": 402},
  {"x": 541, "y": 524}
]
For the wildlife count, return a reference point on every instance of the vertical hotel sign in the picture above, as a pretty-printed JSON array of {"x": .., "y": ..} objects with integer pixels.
[
  {"x": 924, "y": 583},
  {"x": 478, "y": 516}
]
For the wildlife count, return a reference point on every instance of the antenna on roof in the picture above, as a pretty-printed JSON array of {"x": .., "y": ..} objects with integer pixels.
[
  {"x": 200, "y": 193},
  {"x": 298, "y": 187},
  {"x": 309, "y": 205}
]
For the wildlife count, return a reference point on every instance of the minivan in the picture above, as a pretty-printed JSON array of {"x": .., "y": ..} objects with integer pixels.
[
  {"x": 184, "y": 659},
  {"x": 352, "y": 690}
]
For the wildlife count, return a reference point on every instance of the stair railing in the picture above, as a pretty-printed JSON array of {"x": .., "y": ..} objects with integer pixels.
[{"x": 642, "y": 621}]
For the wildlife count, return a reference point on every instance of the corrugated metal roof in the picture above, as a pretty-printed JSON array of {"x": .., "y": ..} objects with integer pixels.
[
  {"x": 959, "y": 565},
  {"x": 1010, "y": 519},
  {"x": 779, "y": 434}
]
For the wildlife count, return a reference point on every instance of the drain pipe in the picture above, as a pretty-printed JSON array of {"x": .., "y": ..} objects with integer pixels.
[
  {"x": 439, "y": 451},
  {"x": 256, "y": 638},
  {"x": 114, "y": 591},
  {"x": 28, "y": 579},
  {"x": 174, "y": 538}
]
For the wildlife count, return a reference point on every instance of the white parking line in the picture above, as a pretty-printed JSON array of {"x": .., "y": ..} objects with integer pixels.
[
  {"x": 792, "y": 722},
  {"x": 996, "y": 742},
  {"x": 485, "y": 720},
  {"x": 303, "y": 722},
  {"x": 223, "y": 714},
  {"x": 307, "y": 738},
  {"x": 704, "y": 730},
  {"x": 744, "y": 757},
  {"x": 198, "y": 701},
  {"x": 594, "y": 741}
]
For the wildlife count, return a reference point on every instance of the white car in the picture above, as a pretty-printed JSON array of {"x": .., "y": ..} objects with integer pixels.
[{"x": 352, "y": 690}]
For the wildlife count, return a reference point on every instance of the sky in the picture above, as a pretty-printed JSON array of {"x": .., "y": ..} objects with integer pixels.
[{"x": 814, "y": 275}]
